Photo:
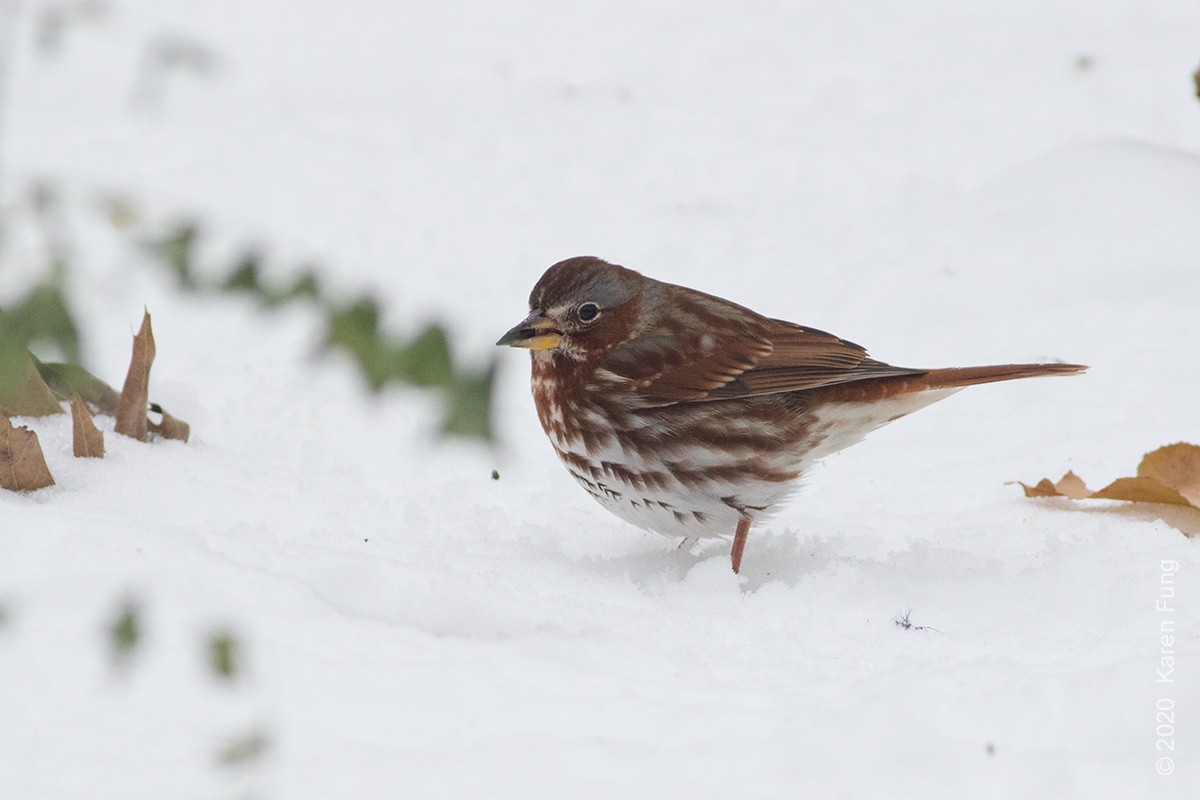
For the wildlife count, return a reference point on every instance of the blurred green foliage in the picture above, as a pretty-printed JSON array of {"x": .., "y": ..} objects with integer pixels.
[
  {"x": 244, "y": 750},
  {"x": 422, "y": 360},
  {"x": 38, "y": 319},
  {"x": 223, "y": 657},
  {"x": 124, "y": 633},
  {"x": 43, "y": 318}
]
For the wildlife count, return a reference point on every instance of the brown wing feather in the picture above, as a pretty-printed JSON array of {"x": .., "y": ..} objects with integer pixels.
[
  {"x": 806, "y": 358},
  {"x": 702, "y": 345},
  {"x": 711, "y": 349}
]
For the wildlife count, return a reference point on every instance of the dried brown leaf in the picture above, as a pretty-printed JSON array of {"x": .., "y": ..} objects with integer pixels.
[
  {"x": 1070, "y": 485},
  {"x": 1140, "y": 490},
  {"x": 131, "y": 410},
  {"x": 22, "y": 465},
  {"x": 1169, "y": 475},
  {"x": 1043, "y": 488},
  {"x": 1176, "y": 466},
  {"x": 171, "y": 428},
  {"x": 88, "y": 441}
]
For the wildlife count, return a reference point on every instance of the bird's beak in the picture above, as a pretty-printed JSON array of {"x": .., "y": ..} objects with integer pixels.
[{"x": 535, "y": 332}]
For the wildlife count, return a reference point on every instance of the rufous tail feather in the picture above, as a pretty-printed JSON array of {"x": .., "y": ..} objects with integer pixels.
[{"x": 968, "y": 376}]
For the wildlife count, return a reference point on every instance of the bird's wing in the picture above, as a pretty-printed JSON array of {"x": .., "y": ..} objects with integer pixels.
[
  {"x": 806, "y": 358},
  {"x": 707, "y": 348}
]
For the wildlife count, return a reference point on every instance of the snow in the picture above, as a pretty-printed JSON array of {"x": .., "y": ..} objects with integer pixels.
[{"x": 946, "y": 183}]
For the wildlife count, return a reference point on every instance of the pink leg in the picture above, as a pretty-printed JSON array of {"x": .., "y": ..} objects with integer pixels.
[{"x": 739, "y": 543}]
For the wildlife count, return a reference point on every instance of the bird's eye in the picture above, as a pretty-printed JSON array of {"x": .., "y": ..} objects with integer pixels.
[{"x": 588, "y": 312}]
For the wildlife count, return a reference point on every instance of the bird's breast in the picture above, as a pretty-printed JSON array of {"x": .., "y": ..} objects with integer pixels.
[{"x": 688, "y": 471}]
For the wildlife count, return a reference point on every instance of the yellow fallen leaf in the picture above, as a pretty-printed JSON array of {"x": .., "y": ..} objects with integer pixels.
[
  {"x": 1069, "y": 485},
  {"x": 1176, "y": 466},
  {"x": 1140, "y": 490},
  {"x": 1169, "y": 475}
]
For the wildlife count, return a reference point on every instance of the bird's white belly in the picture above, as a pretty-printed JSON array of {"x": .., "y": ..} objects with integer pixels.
[
  {"x": 673, "y": 508},
  {"x": 668, "y": 505}
]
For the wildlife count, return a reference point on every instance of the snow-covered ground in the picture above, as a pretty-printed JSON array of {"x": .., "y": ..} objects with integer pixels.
[{"x": 946, "y": 183}]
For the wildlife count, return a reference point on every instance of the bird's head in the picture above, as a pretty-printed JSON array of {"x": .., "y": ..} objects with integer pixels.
[{"x": 581, "y": 306}]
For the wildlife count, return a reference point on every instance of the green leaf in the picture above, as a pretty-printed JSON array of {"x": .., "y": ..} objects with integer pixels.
[
  {"x": 42, "y": 316},
  {"x": 244, "y": 277},
  {"x": 426, "y": 359},
  {"x": 307, "y": 286},
  {"x": 470, "y": 400},
  {"x": 125, "y": 632},
  {"x": 176, "y": 250},
  {"x": 67, "y": 379},
  {"x": 223, "y": 656},
  {"x": 120, "y": 211},
  {"x": 23, "y": 392},
  {"x": 356, "y": 329},
  {"x": 244, "y": 750}
]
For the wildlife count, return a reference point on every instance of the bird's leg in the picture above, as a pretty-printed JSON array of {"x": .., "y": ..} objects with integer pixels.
[{"x": 739, "y": 543}]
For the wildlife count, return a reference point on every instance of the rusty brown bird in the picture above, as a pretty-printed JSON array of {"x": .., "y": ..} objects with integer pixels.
[{"x": 692, "y": 416}]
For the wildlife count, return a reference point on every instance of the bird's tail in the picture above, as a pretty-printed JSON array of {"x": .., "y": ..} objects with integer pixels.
[{"x": 956, "y": 377}]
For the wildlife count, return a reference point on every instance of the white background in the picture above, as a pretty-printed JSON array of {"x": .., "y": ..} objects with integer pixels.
[{"x": 946, "y": 183}]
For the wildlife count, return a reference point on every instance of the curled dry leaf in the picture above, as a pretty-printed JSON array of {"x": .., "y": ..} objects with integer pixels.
[
  {"x": 87, "y": 440},
  {"x": 135, "y": 395},
  {"x": 22, "y": 465},
  {"x": 131, "y": 408},
  {"x": 1169, "y": 474},
  {"x": 170, "y": 427},
  {"x": 1176, "y": 466},
  {"x": 1070, "y": 485}
]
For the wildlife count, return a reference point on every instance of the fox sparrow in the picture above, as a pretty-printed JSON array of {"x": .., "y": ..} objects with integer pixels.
[{"x": 692, "y": 416}]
